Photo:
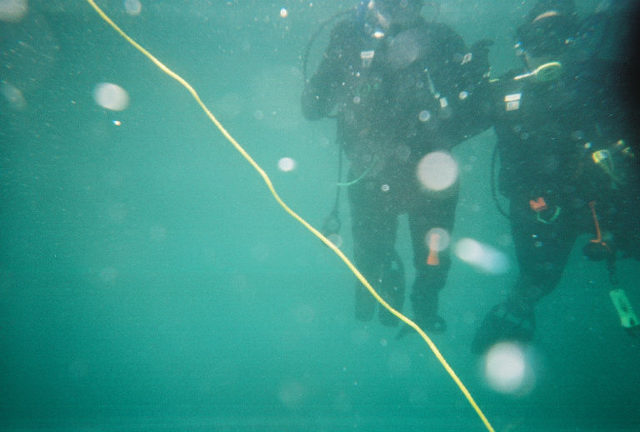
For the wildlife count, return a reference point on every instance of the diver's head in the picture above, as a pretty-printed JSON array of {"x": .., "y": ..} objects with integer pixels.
[
  {"x": 388, "y": 13},
  {"x": 547, "y": 32}
]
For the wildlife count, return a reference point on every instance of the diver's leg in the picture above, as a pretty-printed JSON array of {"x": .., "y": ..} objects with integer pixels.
[
  {"x": 542, "y": 251},
  {"x": 430, "y": 212},
  {"x": 374, "y": 227}
]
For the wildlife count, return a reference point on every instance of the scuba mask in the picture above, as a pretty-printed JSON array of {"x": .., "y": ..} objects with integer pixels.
[
  {"x": 379, "y": 15},
  {"x": 547, "y": 36}
]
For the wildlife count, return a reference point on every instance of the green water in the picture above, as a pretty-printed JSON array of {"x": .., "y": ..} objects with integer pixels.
[{"x": 148, "y": 281}]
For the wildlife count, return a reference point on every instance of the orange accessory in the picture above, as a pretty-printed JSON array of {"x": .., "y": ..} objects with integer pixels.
[
  {"x": 434, "y": 246},
  {"x": 598, "y": 238},
  {"x": 538, "y": 205}
]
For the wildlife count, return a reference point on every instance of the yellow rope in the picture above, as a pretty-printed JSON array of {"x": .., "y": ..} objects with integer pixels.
[{"x": 293, "y": 214}]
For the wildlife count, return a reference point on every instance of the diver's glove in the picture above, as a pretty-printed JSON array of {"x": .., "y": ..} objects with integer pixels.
[{"x": 479, "y": 64}]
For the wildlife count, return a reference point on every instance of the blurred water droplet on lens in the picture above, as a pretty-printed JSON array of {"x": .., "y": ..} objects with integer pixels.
[
  {"x": 336, "y": 239},
  {"x": 424, "y": 116},
  {"x": 404, "y": 49},
  {"x": 111, "y": 96},
  {"x": 133, "y": 7},
  {"x": 13, "y": 96},
  {"x": 437, "y": 171},
  {"x": 507, "y": 369},
  {"x": 442, "y": 239},
  {"x": 286, "y": 164},
  {"x": 13, "y": 10},
  {"x": 482, "y": 256}
]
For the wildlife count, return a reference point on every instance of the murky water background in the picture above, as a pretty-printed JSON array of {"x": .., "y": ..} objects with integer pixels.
[{"x": 148, "y": 281}]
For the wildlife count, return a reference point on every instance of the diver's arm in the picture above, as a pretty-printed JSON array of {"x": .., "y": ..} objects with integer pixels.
[
  {"x": 474, "y": 109},
  {"x": 318, "y": 96},
  {"x": 476, "y": 114},
  {"x": 477, "y": 111}
]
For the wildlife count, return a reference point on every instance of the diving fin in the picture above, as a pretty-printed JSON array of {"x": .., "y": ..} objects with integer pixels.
[{"x": 628, "y": 318}]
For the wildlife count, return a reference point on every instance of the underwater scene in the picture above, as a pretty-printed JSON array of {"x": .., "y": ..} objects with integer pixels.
[{"x": 327, "y": 215}]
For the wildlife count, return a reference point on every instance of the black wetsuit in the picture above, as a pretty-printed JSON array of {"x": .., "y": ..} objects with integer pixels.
[
  {"x": 547, "y": 136},
  {"x": 396, "y": 99}
]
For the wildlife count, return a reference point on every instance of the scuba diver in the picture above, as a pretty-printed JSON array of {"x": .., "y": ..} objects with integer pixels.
[
  {"x": 567, "y": 164},
  {"x": 400, "y": 88}
]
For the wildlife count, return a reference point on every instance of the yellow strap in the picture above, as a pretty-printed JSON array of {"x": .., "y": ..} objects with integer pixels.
[{"x": 293, "y": 214}]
